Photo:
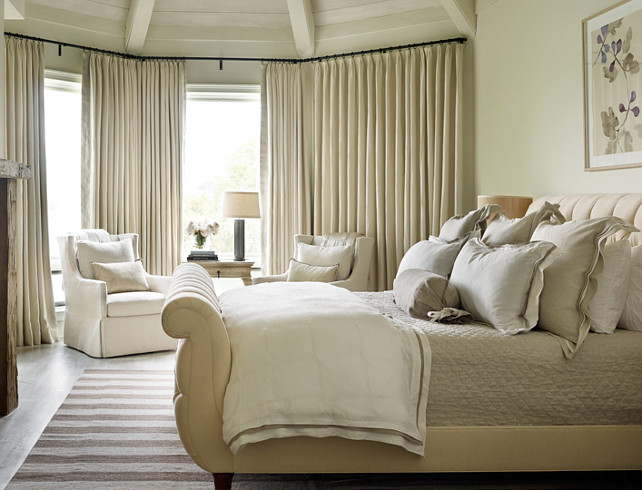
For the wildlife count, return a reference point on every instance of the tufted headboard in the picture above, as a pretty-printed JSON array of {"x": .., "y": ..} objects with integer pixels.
[{"x": 584, "y": 206}]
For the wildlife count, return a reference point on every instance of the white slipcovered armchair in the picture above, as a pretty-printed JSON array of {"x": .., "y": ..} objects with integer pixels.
[
  {"x": 107, "y": 325},
  {"x": 360, "y": 271}
]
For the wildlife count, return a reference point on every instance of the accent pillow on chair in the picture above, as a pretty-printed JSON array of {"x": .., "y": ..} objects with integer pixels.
[
  {"x": 570, "y": 282},
  {"x": 300, "y": 271},
  {"x": 502, "y": 285},
  {"x": 418, "y": 291},
  {"x": 102, "y": 252},
  {"x": 121, "y": 277},
  {"x": 460, "y": 225},
  {"x": 327, "y": 257}
]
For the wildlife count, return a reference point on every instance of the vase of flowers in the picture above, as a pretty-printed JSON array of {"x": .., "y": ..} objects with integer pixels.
[{"x": 202, "y": 230}]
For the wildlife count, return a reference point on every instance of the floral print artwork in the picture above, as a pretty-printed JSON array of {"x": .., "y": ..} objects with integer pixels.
[{"x": 617, "y": 83}]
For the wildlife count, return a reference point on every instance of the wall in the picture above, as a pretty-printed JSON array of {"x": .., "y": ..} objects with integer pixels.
[{"x": 529, "y": 129}]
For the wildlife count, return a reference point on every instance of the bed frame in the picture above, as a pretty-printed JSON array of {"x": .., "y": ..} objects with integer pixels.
[{"x": 203, "y": 362}]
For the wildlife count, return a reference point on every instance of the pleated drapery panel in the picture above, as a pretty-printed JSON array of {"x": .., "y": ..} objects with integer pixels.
[
  {"x": 133, "y": 119},
  {"x": 285, "y": 174},
  {"x": 25, "y": 142},
  {"x": 387, "y": 131},
  {"x": 163, "y": 116}
]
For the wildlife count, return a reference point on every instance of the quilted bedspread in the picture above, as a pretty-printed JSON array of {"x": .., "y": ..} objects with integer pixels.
[
  {"x": 310, "y": 359},
  {"x": 480, "y": 376}
]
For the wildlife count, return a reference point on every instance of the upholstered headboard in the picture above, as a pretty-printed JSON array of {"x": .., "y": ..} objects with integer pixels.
[{"x": 584, "y": 206}]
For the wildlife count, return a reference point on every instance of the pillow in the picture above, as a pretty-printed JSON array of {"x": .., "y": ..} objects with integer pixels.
[
  {"x": 327, "y": 256},
  {"x": 121, "y": 276},
  {"x": 605, "y": 309},
  {"x": 570, "y": 282},
  {"x": 502, "y": 231},
  {"x": 300, "y": 271},
  {"x": 502, "y": 285},
  {"x": 458, "y": 226},
  {"x": 434, "y": 255},
  {"x": 632, "y": 314},
  {"x": 418, "y": 291},
  {"x": 102, "y": 252}
]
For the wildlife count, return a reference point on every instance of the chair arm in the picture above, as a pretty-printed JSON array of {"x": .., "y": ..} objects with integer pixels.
[
  {"x": 86, "y": 298},
  {"x": 358, "y": 280},
  {"x": 159, "y": 284},
  {"x": 262, "y": 279}
]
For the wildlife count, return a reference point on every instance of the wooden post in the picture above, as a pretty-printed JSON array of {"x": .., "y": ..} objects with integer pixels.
[{"x": 9, "y": 172}]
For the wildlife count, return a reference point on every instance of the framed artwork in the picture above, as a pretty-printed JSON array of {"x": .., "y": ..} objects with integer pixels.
[{"x": 612, "y": 50}]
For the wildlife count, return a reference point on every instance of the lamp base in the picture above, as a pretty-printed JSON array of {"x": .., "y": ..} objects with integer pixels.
[{"x": 239, "y": 240}]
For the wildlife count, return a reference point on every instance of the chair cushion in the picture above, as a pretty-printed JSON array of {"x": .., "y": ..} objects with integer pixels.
[
  {"x": 105, "y": 252},
  {"x": 135, "y": 303}
]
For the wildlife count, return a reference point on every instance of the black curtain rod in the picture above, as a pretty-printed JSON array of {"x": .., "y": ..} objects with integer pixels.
[{"x": 460, "y": 40}]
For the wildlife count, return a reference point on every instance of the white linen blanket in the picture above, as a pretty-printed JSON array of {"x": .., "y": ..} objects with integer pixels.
[{"x": 310, "y": 359}]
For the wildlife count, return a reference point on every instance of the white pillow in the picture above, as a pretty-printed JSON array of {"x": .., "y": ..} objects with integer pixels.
[
  {"x": 570, "y": 282},
  {"x": 121, "y": 277},
  {"x": 632, "y": 313},
  {"x": 102, "y": 252},
  {"x": 460, "y": 225},
  {"x": 434, "y": 255},
  {"x": 502, "y": 231},
  {"x": 327, "y": 256},
  {"x": 605, "y": 309},
  {"x": 502, "y": 285},
  {"x": 299, "y": 271}
]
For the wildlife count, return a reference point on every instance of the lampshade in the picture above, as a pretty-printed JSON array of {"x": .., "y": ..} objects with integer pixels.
[
  {"x": 241, "y": 204},
  {"x": 514, "y": 206}
]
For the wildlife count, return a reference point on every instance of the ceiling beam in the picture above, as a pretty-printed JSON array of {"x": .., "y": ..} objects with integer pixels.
[
  {"x": 462, "y": 13},
  {"x": 14, "y": 9},
  {"x": 138, "y": 19},
  {"x": 302, "y": 26}
]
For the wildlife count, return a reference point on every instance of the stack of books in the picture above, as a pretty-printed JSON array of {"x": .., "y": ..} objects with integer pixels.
[{"x": 202, "y": 255}]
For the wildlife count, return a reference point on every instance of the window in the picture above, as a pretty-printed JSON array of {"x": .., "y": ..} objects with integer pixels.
[
  {"x": 222, "y": 134},
  {"x": 62, "y": 142}
]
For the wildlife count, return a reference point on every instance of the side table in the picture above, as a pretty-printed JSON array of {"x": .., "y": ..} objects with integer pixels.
[{"x": 228, "y": 268}]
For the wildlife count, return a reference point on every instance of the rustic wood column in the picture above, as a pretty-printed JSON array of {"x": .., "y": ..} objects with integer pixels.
[{"x": 9, "y": 172}]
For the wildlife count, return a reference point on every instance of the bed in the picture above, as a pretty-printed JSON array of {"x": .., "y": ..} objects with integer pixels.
[{"x": 534, "y": 411}]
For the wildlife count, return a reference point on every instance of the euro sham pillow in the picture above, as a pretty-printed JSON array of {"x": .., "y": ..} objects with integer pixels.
[
  {"x": 419, "y": 291},
  {"x": 632, "y": 313},
  {"x": 102, "y": 252},
  {"x": 570, "y": 282},
  {"x": 605, "y": 309},
  {"x": 299, "y": 271},
  {"x": 503, "y": 231},
  {"x": 121, "y": 277},
  {"x": 327, "y": 256},
  {"x": 502, "y": 285},
  {"x": 458, "y": 226},
  {"x": 434, "y": 255}
]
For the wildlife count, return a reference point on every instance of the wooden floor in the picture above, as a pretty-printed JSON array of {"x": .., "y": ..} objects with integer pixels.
[{"x": 47, "y": 373}]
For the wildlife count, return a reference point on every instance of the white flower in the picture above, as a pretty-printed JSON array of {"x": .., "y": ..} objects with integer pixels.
[{"x": 204, "y": 227}]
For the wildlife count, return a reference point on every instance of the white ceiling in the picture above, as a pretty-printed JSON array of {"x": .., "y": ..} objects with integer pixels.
[{"x": 241, "y": 28}]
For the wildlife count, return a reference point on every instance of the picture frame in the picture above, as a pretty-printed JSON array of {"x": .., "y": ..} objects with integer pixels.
[{"x": 611, "y": 50}]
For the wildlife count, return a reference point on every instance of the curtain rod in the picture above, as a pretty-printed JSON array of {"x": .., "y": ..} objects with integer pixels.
[{"x": 459, "y": 40}]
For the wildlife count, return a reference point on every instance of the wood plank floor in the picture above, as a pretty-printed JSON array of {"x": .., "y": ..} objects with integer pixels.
[{"x": 47, "y": 373}]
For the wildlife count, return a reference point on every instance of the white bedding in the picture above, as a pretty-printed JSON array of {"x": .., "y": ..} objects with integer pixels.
[{"x": 335, "y": 367}]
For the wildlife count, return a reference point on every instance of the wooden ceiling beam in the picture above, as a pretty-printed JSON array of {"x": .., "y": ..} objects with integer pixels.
[
  {"x": 302, "y": 26},
  {"x": 138, "y": 19},
  {"x": 462, "y": 13}
]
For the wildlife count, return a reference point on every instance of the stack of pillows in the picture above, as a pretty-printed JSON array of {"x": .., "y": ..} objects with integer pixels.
[
  {"x": 538, "y": 270},
  {"x": 114, "y": 263},
  {"x": 321, "y": 263}
]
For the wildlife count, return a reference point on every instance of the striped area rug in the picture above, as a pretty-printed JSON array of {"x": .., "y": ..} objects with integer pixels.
[{"x": 116, "y": 429}]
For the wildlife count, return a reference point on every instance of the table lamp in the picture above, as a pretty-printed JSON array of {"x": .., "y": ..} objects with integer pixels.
[{"x": 240, "y": 205}]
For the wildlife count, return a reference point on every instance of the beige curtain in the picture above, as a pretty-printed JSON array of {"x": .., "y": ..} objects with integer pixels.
[
  {"x": 285, "y": 175},
  {"x": 387, "y": 147},
  {"x": 25, "y": 142},
  {"x": 133, "y": 119}
]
